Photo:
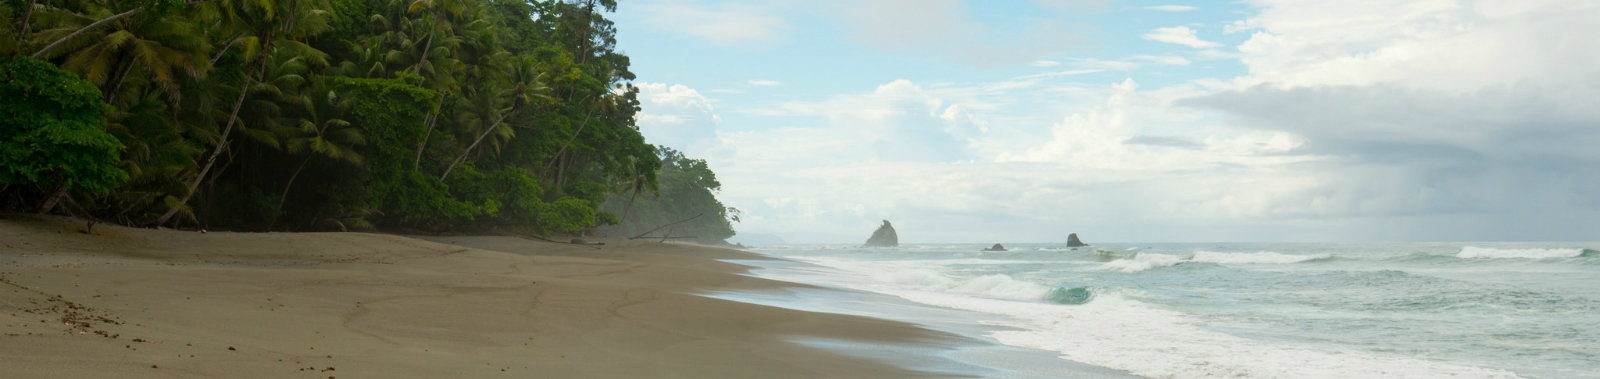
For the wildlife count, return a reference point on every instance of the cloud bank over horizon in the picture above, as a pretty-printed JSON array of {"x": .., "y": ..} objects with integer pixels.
[{"x": 1275, "y": 120}]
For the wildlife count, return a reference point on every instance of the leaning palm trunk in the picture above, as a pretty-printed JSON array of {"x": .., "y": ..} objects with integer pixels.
[
  {"x": 429, "y": 45},
  {"x": 111, "y": 96},
  {"x": 473, "y": 145},
  {"x": 285, "y": 196},
  {"x": 96, "y": 25},
  {"x": 221, "y": 143},
  {"x": 569, "y": 141},
  {"x": 629, "y": 207},
  {"x": 22, "y": 32},
  {"x": 433, "y": 119},
  {"x": 225, "y": 48}
]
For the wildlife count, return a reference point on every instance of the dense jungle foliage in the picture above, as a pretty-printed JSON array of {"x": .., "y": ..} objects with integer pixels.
[
  {"x": 684, "y": 206},
  {"x": 298, "y": 115}
]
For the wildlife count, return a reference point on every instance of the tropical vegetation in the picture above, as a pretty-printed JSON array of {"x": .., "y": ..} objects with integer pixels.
[{"x": 300, "y": 115}]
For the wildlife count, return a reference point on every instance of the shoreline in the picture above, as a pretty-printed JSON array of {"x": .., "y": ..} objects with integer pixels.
[{"x": 160, "y": 303}]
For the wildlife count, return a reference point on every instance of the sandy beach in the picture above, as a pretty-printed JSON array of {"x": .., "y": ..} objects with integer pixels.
[{"x": 139, "y": 303}]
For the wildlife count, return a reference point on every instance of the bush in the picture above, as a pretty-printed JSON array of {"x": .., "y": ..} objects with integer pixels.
[{"x": 52, "y": 130}]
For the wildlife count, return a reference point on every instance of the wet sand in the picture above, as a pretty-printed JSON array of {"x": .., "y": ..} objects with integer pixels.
[{"x": 137, "y": 303}]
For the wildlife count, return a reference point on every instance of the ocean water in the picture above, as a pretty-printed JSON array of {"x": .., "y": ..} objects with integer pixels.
[{"x": 1378, "y": 310}]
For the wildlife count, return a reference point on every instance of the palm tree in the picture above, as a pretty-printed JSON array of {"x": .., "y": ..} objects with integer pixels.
[
  {"x": 322, "y": 132},
  {"x": 440, "y": 23},
  {"x": 153, "y": 45},
  {"x": 74, "y": 36},
  {"x": 524, "y": 85},
  {"x": 270, "y": 29},
  {"x": 156, "y": 156},
  {"x": 639, "y": 183}
]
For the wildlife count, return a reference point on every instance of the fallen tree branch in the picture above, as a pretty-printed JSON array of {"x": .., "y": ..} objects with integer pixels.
[
  {"x": 663, "y": 226},
  {"x": 542, "y": 238}
]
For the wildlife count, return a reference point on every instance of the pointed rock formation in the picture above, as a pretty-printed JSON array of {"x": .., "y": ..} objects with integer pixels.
[
  {"x": 884, "y": 237},
  {"x": 1072, "y": 241},
  {"x": 996, "y": 247}
]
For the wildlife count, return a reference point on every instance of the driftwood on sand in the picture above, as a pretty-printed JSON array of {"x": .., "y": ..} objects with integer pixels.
[{"x": 641, "y": 235}]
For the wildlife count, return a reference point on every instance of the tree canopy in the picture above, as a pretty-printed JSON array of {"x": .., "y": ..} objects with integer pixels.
[
  {"x": 52, "y": 131},
  {"x": 430, "y": 115}
]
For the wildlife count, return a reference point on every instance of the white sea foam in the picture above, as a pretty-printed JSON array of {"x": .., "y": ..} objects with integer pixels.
[
  {"x": 1119, "y": 332},
  {"x": 1132, "y": 249},
  {"x": 992, "y": 286},
  {"x": 1141, "y": 262},
  {"x": 1125, "y": 334},
  {"x": 1265, "y": 257},
  {"x": 1146, "y": 261},
  {"x": 1485, "y": 252},
  {"x": 935, "y": 263}
]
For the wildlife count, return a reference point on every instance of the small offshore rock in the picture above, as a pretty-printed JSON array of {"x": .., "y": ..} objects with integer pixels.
[
  {"x": 885, "y": 236},
  {"x": 1073, "y": 241}
]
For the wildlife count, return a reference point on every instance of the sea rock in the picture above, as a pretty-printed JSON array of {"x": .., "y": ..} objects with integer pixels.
[
  {"x": 883, "y": 237},
  {"x": 1073, "y": 241},
  {"x": 996, "y": 247}
]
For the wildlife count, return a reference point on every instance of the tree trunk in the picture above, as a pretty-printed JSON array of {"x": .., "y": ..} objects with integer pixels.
[
  {"x": 22, "y": 32},
  {"x": 221, "y": 144},
  {"x": 123, "y": 76},
  {"x": 474, "y": 144},
  {"x": 588, "y": 26},
  {"x": 40, "y": 55},
  {"x": 424, "y": 57},
  {"x": 561, "y": 172},
  {"x": 53, "y": 45},
  {"x": 285, "y": 196},
  {"x": 629, "y": 207},
  {"x": 433, "y": 119},
  {"x": 81, "y": 212},
  {"x": 569, "y": 141},
  {"x": 663, "y": 226},
  {"x": 50, "y": 202},
  {"x": 225, "y": 48}
]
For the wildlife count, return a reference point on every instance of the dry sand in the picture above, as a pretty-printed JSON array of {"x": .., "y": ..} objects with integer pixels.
[{"x": 137, "y": 303}]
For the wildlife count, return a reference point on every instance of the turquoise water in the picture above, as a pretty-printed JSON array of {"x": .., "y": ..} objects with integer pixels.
[{"x": 1402, "y": 310}]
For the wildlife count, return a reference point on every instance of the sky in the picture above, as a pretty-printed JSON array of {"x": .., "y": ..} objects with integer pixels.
[{"x": 1132, "y": 121}]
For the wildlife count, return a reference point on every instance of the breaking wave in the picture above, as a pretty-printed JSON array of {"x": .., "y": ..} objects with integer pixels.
[
  {"x": 1146, "y": 261},
  {"x": 1471, "y": 252},
  {"x": 1142, "y": 262},
  {"x": 1265, "y": 257}
]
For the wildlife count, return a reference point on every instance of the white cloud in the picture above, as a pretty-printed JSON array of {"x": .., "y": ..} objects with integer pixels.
[
  {"x": 731, "y": 25},
  {"x": 929, "y": 161},
  {"x": 1130, "y": 63},
  {"x": 1170, "y": 8},
  {"x": 763, "y": 83},
  {"x": 1074, "y": 5},
  {"x": 944, "y": 29},
  {"x": 1361, "y": 120},
  {"x": 1162, "y": 59},
  {"x": 1043, "y": 63},
  {"x": 679, "y": 117},
  {"x": 1181, "y": 35},
  {"x": 1450, "y": 120},
  {"x": 1098, "y": 139},
  {"x": 1438, "y": 45}
]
